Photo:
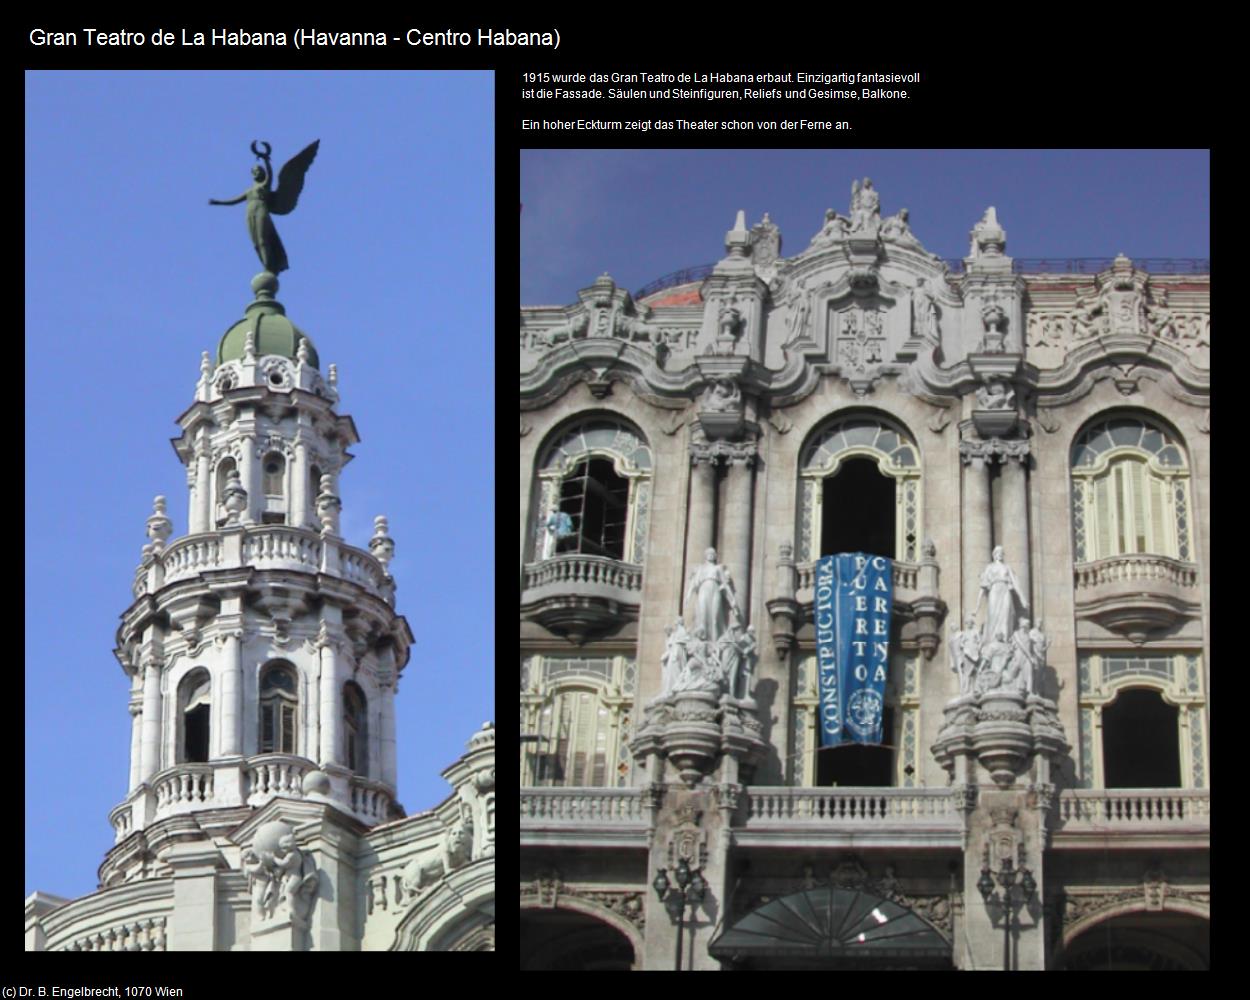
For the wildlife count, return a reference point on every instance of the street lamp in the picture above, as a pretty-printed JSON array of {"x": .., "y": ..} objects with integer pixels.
[
  {"x": 1006, "y": 877},
  {"x": 690, "y": 890}
]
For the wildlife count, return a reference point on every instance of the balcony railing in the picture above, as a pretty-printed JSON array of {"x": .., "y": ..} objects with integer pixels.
[
  {"x": 1135, "y": 569},
  {"x": 579, "y": 807},
  {"x": 906, "y": 580},
  {"x": 1133, "y": 810},
  {"x": 583, "y": 574},
  {"x": 266, "y": 547},
  {"x": 783, "y": 808},
  {"x": 224, "y": 784}
]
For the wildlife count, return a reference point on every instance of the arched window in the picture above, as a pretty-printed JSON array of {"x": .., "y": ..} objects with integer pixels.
[
  {"x": 575, "y": 720},
  {"x": 1142, "y": 720},
  {"x": 860, "y": 490},
  {"x": 194, "y": 715},
  {"x": 1130, "y": 491},
  {"x": 355, "y": 745},
  {"x": 594, "y": 485},
  {"x": 279, "y": 703}
]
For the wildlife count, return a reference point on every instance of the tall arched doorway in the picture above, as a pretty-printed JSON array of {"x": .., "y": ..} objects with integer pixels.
[{"x": 558, "y": 940}]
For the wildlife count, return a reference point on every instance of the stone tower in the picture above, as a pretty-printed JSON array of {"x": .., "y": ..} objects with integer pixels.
[{"x": 264, "y": 651}]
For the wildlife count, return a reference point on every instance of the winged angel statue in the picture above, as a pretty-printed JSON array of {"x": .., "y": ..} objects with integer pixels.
[{"x": 263, "y": 201}]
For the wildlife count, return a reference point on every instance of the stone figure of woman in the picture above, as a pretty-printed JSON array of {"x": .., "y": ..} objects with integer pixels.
[
  {"x": 263, "y": 202},
  {"x": 715, "y": 603},
  {"x": 1001, "y": 591}
]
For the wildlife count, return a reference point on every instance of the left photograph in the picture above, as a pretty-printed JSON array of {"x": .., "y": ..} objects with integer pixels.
[{"x": 256, "y": 717}]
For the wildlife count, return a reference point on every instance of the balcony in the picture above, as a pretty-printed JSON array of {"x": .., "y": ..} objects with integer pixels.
[
  {"x": 262, "y": 547},
  {"x": 1135, "y": 595},
  {"x": 850, "y": 817},
  {"x": 592, "y": 817},
  {"x": 250, "y": 782},
  {"x": 1133, "y": 818},
  {"x": 579, "y": 596}
]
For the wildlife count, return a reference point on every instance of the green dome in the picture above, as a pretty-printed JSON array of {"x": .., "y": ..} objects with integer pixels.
[{"x": 275, "y": 334}]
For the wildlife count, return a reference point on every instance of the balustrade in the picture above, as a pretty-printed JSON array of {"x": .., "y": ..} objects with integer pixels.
[
  {"x": 191, "y": 555},
  {"x": 276, "y": 775},
  {"x": 581, "y": 569},
  {"x": 1134, "y": 809},
  {"x": 906, "y": 578},
  {"x": 370, "y": 800},
  {"x": 282, "y": 545},
  {"x": 189, "y": 784},
  {"x": 133, "y": 935},
  {"x": 1119, "y": 569},
  {"x": 785, "y": 806},
  {"x": 540, "y": 806}
]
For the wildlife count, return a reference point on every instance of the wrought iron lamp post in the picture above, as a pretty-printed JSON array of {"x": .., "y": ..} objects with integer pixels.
[
  {"x": 690, "y": 890},
  {"x": 1006, "y": 877}
]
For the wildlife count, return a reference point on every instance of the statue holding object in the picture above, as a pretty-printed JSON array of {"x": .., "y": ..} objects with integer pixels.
[{"x": 263, "y": 201}]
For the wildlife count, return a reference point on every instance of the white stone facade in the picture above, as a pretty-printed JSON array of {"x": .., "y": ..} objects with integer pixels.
[
  {"x": 264, "y": 654},
  {"x": 1060, "y": 411}
]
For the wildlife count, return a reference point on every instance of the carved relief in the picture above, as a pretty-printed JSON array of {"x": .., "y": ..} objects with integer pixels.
[
  {"x": 279, "y": 874},
  {"x": 455, "y": 851}
]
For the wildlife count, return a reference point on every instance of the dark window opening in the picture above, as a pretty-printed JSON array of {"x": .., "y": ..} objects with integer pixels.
[
  {"x": 858, "y": 765},
  {"x": 1140, "y": 742},
  {"x": 857, "y": 511},
  {"x": 597, "y": 500},
  {"x": 195, "y": 723}
]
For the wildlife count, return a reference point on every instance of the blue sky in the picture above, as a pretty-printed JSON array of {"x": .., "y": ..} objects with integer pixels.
[
  {"x": 130, "y": 275},
  {"x": 639, "y": 214}
]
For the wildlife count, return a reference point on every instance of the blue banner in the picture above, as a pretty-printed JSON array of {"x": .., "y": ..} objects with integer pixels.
[{"x": 854, "y": 593}]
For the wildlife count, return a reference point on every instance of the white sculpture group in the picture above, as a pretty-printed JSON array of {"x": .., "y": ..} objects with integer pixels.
[
  {"x": 718, "y": 654},
  {"x": 1006, "y": 653}
]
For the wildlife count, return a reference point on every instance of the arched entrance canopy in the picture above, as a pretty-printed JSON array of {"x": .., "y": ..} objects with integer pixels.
[{"x": 831, "y": 923}]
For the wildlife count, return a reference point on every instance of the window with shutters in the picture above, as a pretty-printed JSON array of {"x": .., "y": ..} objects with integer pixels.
[
  {"x": 279, "y": 701},
  {"x": 1130, "y": 491},
  {"x": 575, "y": 720}
]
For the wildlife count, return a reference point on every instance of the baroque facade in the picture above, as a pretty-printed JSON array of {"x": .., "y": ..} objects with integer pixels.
[
  {"x": 263, "y": 654},
  {"x": 1028, "y": 441}
]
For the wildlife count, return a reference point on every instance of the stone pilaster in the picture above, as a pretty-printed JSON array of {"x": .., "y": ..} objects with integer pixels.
[
  {"x": 1015, "y": 538},
  {"x": 701, "y": 532},
  {"x": 232, "y": 694},
  {"x": 331, "y": 683},
  {"x": 298, "y": 513},
  {"x": 249, "y": 475},
  {"x": 136, "y": 739},
  {"x": 737, "y": 519},
  {"x": 151, "y": 746},
  {"x": 977, "y": 527}
]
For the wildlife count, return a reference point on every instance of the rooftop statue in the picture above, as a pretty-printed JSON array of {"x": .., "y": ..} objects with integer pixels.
[{"x": 263, "y": 201}]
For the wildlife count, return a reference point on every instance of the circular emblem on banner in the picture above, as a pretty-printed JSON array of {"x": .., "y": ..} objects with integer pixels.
[{"x": 863, "y": 711}]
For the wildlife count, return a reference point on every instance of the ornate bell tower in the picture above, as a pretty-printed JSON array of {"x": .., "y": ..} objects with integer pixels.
[{"x": 264, "y": 651}]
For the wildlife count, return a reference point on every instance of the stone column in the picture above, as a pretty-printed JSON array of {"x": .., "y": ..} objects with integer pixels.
[
  {"x": 331, "y": 741},
  {"x": 232, "y": 696},
  {"x": 150, "y": 748},
  {"x": 136, "y": 738},
  {"x": 1015, "y": 538},
  {"x": 388, "y": 736},
  {"x": 298, "y": 514},
  {"x": 204, "y": 501},
  {"x": 701, "y": 532},
  {"x": 735, "y": 533},
  {"x": 249, "y": 469},
  {"x": 977, "y": 533}
]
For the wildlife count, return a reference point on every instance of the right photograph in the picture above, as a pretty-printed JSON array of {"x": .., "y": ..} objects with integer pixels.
[{"x": 865, "y": 559}]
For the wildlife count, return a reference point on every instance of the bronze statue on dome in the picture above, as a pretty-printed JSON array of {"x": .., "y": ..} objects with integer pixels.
[{"x": 263, "y": 201}]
